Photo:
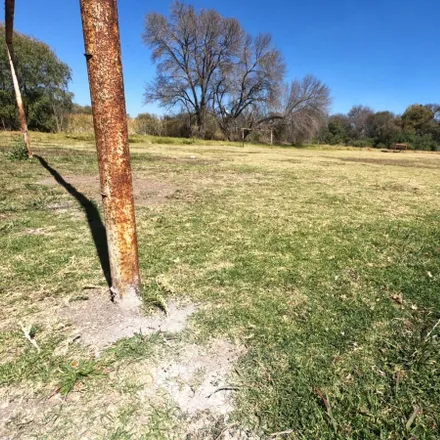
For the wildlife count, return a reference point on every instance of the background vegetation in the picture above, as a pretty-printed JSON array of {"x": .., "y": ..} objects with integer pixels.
[
  {"x": 213, "y": 79},
  {"x": 43, "y": 80},
  {"x": 419, "y": 126}
]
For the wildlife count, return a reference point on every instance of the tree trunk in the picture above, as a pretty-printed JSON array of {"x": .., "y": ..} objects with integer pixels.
[
  {"x": 103, "y": 54},
  {"x": 9, "y": 33},
  {"x": 201, "y": 123},
  {"x": 57, "y": 118},
  {"x": 225, "y": 127}
]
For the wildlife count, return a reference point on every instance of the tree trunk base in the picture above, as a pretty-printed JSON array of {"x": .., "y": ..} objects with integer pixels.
[{"x": 130, "y": 300}]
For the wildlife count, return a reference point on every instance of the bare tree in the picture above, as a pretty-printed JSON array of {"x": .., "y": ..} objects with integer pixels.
[
  {"x": 358, "y": 117},
  {"x": 250, "y": 82},
  {"x": 189, "y": 49},
  {"x": 208, "y": 64},
  {"x": 303, "y": 110},
  {"x": 9, "y": 33}
]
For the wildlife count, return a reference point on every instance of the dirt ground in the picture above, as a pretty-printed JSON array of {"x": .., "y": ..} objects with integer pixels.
[
  {"x": 194, "y": 383},
  {"x": 147, "y": 192}
]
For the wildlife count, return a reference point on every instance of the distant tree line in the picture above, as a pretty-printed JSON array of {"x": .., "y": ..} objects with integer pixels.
[
  {"x": 214, "y": 79},
  {"x": 418, "y": 126}
]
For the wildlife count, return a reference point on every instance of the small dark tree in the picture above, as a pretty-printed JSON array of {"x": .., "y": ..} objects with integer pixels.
[
  {"x": 146, "y": 123},
  {"x": 384, "y": 127},
  {"x": 78, "y": 109},
  {"x": 338, "y": 130}
]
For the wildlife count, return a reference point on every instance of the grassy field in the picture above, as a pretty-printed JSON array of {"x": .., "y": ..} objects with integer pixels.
[{"x": 323, "y": 263}]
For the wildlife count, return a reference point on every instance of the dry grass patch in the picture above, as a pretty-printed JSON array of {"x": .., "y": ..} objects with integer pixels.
[
  {"x": 323, "y": 267},
  {"x": 147, "y": 192}
]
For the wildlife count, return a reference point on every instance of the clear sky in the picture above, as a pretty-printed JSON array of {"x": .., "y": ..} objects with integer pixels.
[{"x": 380, "y": 53}]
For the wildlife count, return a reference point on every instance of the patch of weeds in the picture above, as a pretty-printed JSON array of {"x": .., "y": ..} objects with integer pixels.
[
  {"x": 163, "y": 421},
  {"x": 137, "y": 347},
  {"x": 35, "y": 328},
  {"x": 87, "y": 137},
  {"x": 32, "y": 365},
  {"x": 18, "y": 152},
  {"x": 121, "y": 433},
  {"x": 126, "y": 414},
  {"x": 45, "y": 366},
  {"x": 155, "y": 301},
  {"x": 6, "y": 227},
  {"x": 76, "y": 372},
  {"x": 155, "y": 293},
  {"x": 12, "y": 345},
  {"x": 173, "y": 141}
]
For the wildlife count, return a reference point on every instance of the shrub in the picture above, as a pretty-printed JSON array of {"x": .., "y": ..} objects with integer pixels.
[
  {"x": 366, "y": 142},
  {"x": 79, "y": 123},
  {"x": 147, "y": 124},
  {"x": 18, "y": 150}
]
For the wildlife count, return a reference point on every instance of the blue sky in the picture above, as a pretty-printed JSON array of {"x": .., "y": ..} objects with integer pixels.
[{"x": 380, "y": 53}]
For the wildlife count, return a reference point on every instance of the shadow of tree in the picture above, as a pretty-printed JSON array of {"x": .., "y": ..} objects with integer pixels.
[{"x": 97, "y": 228}]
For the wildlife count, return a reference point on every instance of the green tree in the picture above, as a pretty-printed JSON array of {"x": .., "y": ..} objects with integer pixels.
[
  {"x": 337, "y": 130},
  {"x": 421, "y": 126},
  {"x": 43, "y": 80},
  {"x": 418, "y": 119},
  {"x": 384, "y": 128}
]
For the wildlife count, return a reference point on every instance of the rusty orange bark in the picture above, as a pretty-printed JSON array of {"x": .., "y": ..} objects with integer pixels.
[{"x": 103, "y": 54}]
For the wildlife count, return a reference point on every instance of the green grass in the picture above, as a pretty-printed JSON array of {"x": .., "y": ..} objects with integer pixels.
[{"x": 324, "y": 263}]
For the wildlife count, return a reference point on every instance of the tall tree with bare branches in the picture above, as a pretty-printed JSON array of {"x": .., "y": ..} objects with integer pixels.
[
  {"x": 9, "y": 33},
  {"x": 302, "y": 110},
  {"x": 189, "y": 49},
  {"x": 250, "y": 82},
  {"x": 208, "y": 64}
]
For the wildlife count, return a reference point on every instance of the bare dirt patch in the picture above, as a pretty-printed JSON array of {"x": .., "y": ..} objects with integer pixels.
[
  {"x": 100, "y": 322},
  {"x": 147, "y": 192},
  {"x": 185, "y": 394},
  {"x": 196, "y": 379},
  {"x": 189, "y": 386}
]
